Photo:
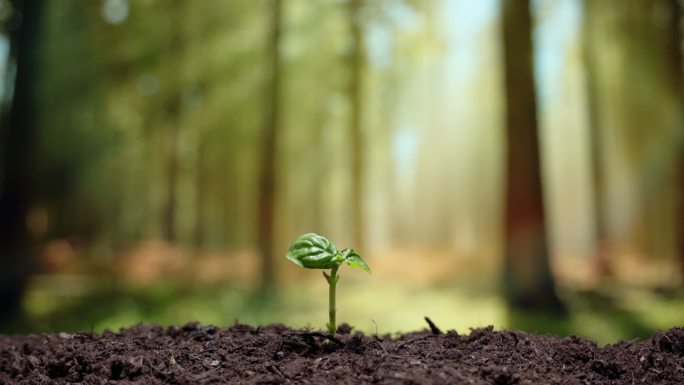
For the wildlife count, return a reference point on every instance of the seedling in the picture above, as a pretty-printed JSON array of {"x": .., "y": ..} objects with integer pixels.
[{"x": 313, "y": 251}]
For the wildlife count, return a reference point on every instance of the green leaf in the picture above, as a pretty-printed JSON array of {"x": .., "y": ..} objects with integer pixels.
[
  {"x": 313, "y": 251},
  {"x": 354, "y": 260}
]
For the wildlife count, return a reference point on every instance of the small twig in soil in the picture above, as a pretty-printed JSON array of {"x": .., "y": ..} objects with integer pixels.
[
  {"x": 307, "y": 335},
  {"x": 433, "y": 328}
]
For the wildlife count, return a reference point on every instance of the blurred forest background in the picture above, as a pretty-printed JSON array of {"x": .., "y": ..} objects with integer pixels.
[{"x": 509, "y": 162}]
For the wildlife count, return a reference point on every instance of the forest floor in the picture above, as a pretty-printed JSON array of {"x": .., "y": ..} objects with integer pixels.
[
  {"x": 165, "y": 285},
  {"x": 275, "y": 354}
]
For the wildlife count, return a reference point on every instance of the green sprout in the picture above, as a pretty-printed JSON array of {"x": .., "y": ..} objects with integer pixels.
[{"x": 313, "y": 251}]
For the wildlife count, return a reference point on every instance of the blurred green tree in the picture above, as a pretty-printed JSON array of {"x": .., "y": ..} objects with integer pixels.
[
  {"x": 676, "y": 64},
  {"x": 602, "y": 252},
  {"x": 634, "y": 96},
  {"x": 269, "y": 142},
  {"x": 172, "y": 110},
  {"x": 356, "y": 81},
  {"x": 18, "y": 226},
  {"x": 529, "y": 284}
]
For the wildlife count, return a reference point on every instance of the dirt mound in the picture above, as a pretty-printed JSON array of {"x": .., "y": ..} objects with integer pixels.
[{"x": 275, "y": 354}]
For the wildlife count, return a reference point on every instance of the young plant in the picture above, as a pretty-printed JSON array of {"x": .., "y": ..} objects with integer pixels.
[{"x": 313, "y": 251}]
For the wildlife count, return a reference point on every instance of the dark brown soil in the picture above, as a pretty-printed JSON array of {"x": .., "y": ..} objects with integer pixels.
[{"x": 275, "y": 354}]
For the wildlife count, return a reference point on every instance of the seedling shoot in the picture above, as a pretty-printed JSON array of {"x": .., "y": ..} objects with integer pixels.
[{"x": 313, "y": 251}]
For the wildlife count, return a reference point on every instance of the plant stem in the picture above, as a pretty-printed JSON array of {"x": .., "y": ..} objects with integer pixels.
[{"x": 332, "y": 282}]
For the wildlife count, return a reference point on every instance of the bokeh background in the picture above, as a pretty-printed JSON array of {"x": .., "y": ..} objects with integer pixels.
[{"x": 507, "y": 162}]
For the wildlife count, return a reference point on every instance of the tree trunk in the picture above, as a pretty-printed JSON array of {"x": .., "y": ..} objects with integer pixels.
[
  {"x": 267, "y": 185},
  {"x": 356, "y": 67},
  {"x": 19, "y": 142},
  {"x": 529, "y": 284},
  {"x": 169, "y": 213},
  {"x": 172, "y": 127},
  {"x": 602, "y": 253},
  {"x": 677, "y": 83},
  {"x": 200, "y": 191}
]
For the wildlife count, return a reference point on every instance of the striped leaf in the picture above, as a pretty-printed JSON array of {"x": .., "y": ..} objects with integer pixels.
[{"x": 313, "y": 251}]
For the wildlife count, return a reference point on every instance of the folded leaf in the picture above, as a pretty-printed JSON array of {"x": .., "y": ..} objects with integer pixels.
[{"x": 354, "y": 260}]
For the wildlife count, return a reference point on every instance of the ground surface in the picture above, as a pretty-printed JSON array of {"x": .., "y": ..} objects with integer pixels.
[{"x": 196, "y": 354}]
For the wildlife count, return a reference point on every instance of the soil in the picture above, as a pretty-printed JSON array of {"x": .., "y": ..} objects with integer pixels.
[{"x": 275, "y": 354}]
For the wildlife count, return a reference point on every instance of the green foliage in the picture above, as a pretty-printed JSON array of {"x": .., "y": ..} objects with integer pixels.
[
  {"x": 172, "y": 95},
  {"x": 313, "y": 251}
]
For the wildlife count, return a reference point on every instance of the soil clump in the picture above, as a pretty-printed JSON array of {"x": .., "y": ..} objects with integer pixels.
[{"x": 275, "y": 354}]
